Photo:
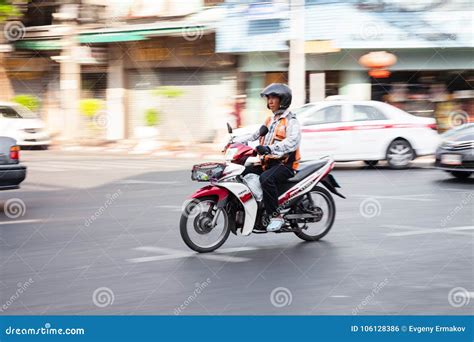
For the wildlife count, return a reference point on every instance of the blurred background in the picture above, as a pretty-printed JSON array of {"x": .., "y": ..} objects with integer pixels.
[{"x": 173, "y": 72}]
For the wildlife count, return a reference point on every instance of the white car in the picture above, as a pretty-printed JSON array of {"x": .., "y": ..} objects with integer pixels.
[
  {"x": 22, "y": 125},
  {"x": 350, "y": 130}
]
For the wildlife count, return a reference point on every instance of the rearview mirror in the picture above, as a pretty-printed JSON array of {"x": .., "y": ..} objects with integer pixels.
[{"x": 229, "y": 128}]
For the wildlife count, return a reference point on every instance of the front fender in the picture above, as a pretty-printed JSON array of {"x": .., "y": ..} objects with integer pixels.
[{"x": 211, "y": 190}]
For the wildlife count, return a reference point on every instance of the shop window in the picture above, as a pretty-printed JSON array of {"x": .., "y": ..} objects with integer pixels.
[
  {"x": 264, "y": 26},
  {"x": 365, "y": 113}
]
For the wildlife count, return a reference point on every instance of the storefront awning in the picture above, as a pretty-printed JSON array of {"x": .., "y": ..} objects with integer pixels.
[
  {"x": 114, "y": 37},
  {"x": 51, "y": 44},
  {"x": 110, "y": 37},
  {"x": 126, "y": 36}
]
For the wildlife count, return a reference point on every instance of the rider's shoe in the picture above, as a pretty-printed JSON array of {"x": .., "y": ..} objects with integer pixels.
[
  {"x": 275, "y": 224},
  {"x": 259, "y": 230}
]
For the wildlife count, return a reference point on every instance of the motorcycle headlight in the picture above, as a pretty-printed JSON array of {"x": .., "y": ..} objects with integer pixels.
[{"x": 229, "y": 155}]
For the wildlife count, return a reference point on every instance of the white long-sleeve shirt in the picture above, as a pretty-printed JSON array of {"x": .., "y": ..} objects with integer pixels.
[{"x": 279, "y": 148}]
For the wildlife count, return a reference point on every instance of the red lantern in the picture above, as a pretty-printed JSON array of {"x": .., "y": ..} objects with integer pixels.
[
  {"x": 378, "y": 62},
  {"x": 379, "y": 73}
]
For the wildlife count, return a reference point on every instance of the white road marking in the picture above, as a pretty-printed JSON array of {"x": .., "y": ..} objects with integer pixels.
[
  {"x": 223, "y": 258},
  {"x": 136, "y": 181},
  {"x": 62, "y": 165},
  {"x": 44, "y": 169},
  {"x": 456, "y": 190},
  {"x": 170, "y": 250},
  {"x": 421, "y": 230},
  {"x": 20, "y": 221},
  {"x": 401, "y": 197},
  {"x": 154, "y": 249},
  {"x": 170, "y": 254},
  {"x": 39, "y": 187},
  {"x": 174, "y": 208},
  {"x": 67, "y": 165},
  {"x": 236, "y": 249}
]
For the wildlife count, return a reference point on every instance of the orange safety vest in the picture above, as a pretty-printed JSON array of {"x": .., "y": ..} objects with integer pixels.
[{"x": 279, "y": 134}]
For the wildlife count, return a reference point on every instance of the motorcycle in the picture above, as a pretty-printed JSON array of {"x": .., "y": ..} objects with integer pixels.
[{"x": 233, "y": 204}]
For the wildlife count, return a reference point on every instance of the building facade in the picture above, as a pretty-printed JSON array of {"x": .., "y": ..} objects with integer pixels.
[{"x": 432, "y": 42}]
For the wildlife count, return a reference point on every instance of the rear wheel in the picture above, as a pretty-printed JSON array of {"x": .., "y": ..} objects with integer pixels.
[
  {"x": 319, "y": 201},
  {"x": 399, "y": 154},
  {"x": 461, "y": 174},
  {"x": 196, "y": 228}
]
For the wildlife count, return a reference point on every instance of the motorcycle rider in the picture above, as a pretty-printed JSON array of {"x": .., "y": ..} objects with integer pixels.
[{"x": 280, "y": 148}]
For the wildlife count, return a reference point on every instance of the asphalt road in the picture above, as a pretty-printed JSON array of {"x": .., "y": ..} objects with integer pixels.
[{"x": 97, "y": 234}]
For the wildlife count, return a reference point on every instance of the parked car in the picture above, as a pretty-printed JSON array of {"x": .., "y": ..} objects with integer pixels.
[
  {"x": 23, "y": 125},
  {"x": 371, "y": 131},
  {"x": 456, "y": 153},
  {"x": 12, "y": 173}
]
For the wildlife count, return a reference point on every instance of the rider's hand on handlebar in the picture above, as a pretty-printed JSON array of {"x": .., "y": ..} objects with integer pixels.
[{"x": 262, "y": 150}]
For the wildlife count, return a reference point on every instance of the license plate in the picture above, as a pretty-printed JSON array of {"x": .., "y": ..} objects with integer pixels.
[{"x": 451, "y": 159}]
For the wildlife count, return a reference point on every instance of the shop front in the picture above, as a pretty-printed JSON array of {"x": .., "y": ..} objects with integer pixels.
[{"x": 180, "y": 87}]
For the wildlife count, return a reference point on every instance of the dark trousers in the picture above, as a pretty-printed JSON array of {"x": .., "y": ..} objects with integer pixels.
[{"x": 269, "y": 179}]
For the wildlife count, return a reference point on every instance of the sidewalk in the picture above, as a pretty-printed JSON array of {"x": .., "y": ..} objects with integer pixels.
[
  {"x": 202, "y": 151},
  {"x": 164, "y": 150}
]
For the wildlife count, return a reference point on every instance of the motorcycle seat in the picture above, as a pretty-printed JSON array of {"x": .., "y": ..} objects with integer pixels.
[{"x": 305, "y": 170}]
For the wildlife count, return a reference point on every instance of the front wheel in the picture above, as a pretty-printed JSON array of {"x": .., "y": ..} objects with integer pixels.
[
  {"x": 319, "y": 201},
  {"x": 196, "y": 227}
]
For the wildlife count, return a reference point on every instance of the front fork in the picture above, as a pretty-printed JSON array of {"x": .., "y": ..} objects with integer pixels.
[{"x": 216, "y": 216}]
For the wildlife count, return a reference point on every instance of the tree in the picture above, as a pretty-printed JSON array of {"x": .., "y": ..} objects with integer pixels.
[{"x": 7, "y": 11}]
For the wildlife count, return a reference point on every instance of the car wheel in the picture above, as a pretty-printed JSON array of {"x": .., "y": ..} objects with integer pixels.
[
  {"x": 461, "y": 174},
  {"x": 371, "y": 162},
  {"x": 399, "y": 154}
]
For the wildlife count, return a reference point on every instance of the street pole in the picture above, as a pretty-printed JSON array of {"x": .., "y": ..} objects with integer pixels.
[
  {"x": 297, "y": 66},
  {"x": 70, "y": 84}
]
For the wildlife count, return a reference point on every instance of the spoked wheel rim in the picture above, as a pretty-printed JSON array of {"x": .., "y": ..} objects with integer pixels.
[
  {"x": 399, "y": 154},
  {"x": 199, "y": 216},
  {"x": 323, "y": 208}
]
